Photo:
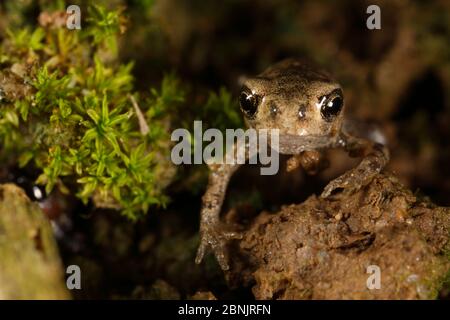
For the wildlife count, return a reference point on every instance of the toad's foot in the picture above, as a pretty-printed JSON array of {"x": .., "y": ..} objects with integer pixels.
[
  {"x": 350, "y": 182},
  {"x": 216, "y": 239}
]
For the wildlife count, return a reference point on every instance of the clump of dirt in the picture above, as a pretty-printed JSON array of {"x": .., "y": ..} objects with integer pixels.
[{"x": 334, "y": 248}]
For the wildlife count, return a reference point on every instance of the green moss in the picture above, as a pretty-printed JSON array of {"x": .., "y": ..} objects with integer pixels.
[
  {"x": 67, "y": 110},
  {"x": 221, "y": 111},
  {"x": 78, "y": 127}
]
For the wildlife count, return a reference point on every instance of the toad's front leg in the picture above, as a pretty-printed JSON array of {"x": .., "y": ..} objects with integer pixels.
[
  {"x": 213, "y": 235},
  {"x": 376, "y": 156}
]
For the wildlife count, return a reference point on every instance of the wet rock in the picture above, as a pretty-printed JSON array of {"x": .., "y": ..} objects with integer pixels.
[{"x": 30, "y": 266}]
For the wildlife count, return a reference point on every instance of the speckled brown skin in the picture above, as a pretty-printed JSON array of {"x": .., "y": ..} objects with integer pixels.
[{"x": 289, "y": 96}]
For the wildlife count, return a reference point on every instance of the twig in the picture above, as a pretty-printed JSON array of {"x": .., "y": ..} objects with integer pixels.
[{"x": 143, "y": 126}]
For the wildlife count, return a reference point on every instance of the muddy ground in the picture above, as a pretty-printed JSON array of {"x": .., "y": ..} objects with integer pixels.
[{"x": 325, "y": 249}]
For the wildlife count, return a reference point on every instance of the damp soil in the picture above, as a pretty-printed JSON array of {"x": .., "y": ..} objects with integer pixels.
[{"x": 329, "y": 248}]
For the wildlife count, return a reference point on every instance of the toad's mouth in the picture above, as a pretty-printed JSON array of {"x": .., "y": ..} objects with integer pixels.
[{"x": 294, "y": 144}]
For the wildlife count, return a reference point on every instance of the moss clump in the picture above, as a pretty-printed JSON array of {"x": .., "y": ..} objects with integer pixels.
[{"x": 67, "y": 110}]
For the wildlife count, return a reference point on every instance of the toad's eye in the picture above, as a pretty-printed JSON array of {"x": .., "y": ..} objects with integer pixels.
[
  {"x": 249, "y": 102},
  {"x": 331, "y": 107}
]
